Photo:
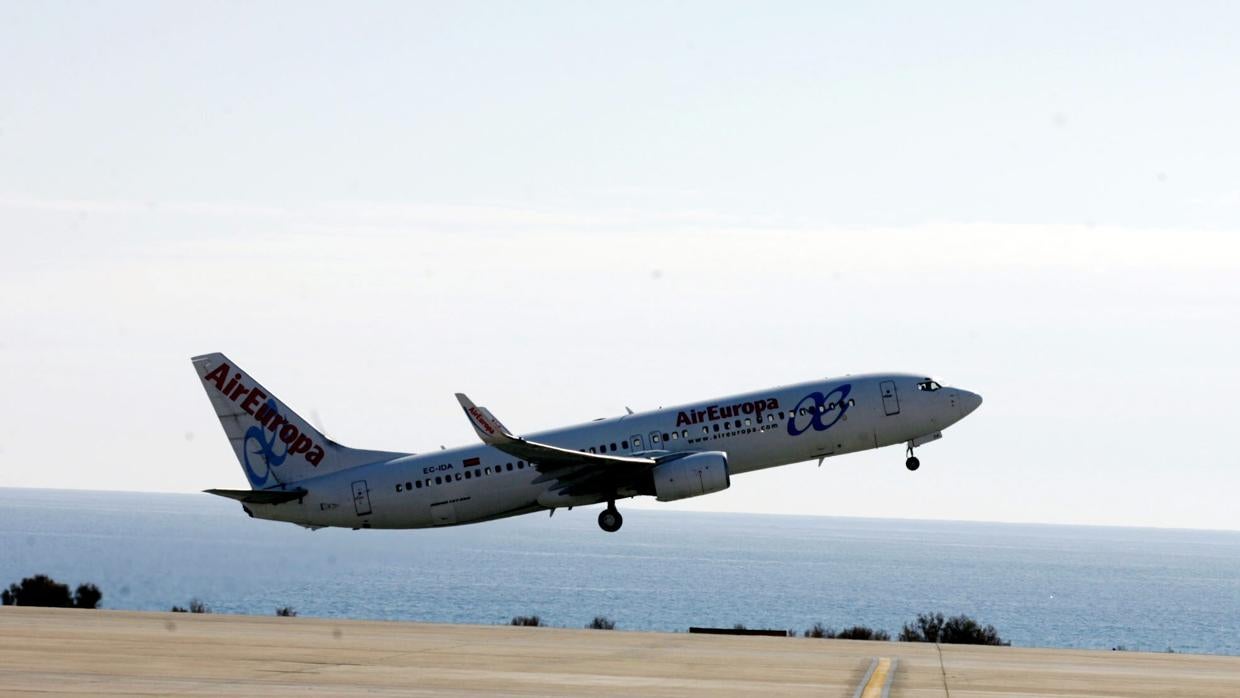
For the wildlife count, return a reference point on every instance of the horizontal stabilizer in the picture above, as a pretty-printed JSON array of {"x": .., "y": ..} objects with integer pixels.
[{"x": 260, "y": 496}]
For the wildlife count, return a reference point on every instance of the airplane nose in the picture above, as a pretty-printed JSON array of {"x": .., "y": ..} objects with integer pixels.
[{"x": 969, "y": 402}]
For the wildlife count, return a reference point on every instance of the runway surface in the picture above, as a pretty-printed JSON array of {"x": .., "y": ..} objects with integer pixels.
[{"x": 62, "y": 651}]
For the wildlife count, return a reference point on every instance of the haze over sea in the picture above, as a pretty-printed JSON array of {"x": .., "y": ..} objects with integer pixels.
[{"x": 1040, "y": 585}]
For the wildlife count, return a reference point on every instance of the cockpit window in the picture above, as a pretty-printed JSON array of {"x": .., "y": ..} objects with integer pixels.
[{"x": 928, "y": 385}]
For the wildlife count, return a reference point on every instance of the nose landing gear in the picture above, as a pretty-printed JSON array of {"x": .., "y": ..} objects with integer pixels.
[
  {"x": 911, "y": 462},
  {"x": 610, "y": 519}
]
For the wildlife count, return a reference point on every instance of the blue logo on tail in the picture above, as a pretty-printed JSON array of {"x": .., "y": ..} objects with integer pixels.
[{"x": 265, "y": 448}]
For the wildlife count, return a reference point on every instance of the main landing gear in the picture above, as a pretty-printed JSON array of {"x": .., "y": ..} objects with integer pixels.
[
  {"x": 911, "y": 462},
  {"x": 610, "y": 519}
]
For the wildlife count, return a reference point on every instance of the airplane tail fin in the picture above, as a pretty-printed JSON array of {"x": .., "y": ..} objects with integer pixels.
[{"x": 273, "y": 443}]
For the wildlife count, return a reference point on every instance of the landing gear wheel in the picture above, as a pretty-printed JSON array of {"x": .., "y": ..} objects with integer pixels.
[
  {"x": 912, "y": 463},
  {"x": 610, "y": 519}
]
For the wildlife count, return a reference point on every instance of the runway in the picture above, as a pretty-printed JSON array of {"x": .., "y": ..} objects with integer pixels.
[{"x": 74, "y": 652}]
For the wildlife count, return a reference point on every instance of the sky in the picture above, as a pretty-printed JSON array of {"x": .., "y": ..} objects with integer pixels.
[{"x": 564, "y": 209}]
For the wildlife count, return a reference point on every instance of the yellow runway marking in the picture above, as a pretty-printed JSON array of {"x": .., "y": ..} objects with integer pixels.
[{"x": 879, "y": 682}]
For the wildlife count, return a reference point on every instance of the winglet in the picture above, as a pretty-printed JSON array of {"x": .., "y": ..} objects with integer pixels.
[{"x": 489, "y": 429}]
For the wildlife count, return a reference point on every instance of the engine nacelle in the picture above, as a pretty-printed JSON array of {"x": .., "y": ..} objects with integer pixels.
[{"x": 692, "y": 476}]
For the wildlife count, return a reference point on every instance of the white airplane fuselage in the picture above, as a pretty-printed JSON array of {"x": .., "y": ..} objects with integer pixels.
[{"x": 756, "y": 430}]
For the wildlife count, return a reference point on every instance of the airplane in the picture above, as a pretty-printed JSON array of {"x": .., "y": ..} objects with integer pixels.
[{"x": 298, "y": 475}]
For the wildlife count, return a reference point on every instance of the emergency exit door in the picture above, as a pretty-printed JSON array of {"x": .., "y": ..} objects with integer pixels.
[
  {"x": 891, "y": 400},
  {"x": 635, "y": 443}
]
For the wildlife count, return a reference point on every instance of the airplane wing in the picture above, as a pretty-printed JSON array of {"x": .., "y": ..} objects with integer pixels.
[{"x": 544, "y": 457}]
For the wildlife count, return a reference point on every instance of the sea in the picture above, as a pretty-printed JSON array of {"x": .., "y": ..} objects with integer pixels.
[{"x": 1039, "y": 585}]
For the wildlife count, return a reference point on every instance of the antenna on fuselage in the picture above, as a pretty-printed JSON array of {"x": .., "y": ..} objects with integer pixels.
[{"x": 628, "y": 409}]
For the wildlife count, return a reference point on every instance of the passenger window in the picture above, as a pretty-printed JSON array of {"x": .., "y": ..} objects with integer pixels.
[
  {"x": 654, "y": 438},
  {"x": 665, "y": 436},
  {"x": 781, "y": 414},
  {"x": 468, "y": 475},
  {"x": 487, "y": 470},
  {"x": 727, "y": 426},
  {"x": 592, "y": 449},
  {"x": 716, "y": 427},
  {"x": 408, "y": 485},
  {"x": 705, "y": 430},
  {"x": 458, "y": 477},
  {"x": 684, "y": 433},
  {"x": 613, "y": 447},
  {"x": 438, "y": 480},
  {"x": 673, "y": 436},
  {"x": 510, "y": 466},
  {"x": 520, "y": 464},
  {"x": 747, "y": 422},
  {"x": 625, "y": 444},
  {"x": 419, "y": 484}
]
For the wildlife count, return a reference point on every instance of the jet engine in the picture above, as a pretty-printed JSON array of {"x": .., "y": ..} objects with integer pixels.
[{"x": 694, "y": 475}]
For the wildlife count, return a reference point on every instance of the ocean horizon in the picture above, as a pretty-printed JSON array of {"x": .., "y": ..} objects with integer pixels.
[{"x": 1040, "y": 585}]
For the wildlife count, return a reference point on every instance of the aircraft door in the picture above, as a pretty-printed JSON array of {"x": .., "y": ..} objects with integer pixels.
[
  {"x": 443, "y": 514},
  {"x": 361, "y": 498},
  {"x": 891, "y": 400},
  {"x": 635, "y": 443}
]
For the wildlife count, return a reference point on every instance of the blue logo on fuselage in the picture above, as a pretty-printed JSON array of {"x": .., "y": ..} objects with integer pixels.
[{"x": 814, "y": 408}]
